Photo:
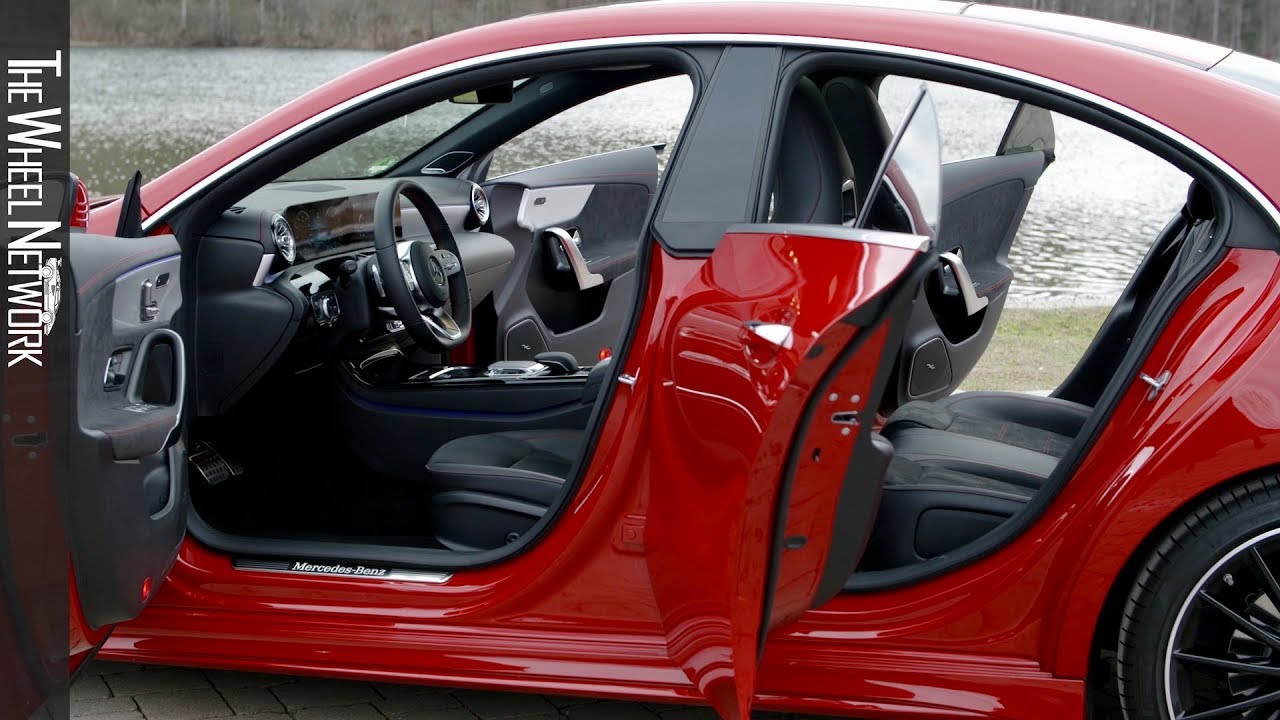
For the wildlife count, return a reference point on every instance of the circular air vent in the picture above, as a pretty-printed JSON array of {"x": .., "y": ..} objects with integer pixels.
[
  {"x": 283, "y": 237},
  {"x": 479, "y": 214}
]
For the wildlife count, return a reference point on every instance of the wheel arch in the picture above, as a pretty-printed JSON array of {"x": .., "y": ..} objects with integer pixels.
[{"x": 1081, "y": 660}]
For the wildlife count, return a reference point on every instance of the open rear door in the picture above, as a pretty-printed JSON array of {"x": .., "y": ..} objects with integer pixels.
[
  {"x": 767, "y": 473},
  {"x": 125, "y": 495}
]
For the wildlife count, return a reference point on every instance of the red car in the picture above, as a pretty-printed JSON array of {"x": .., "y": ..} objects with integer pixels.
[{"x": 679, "y": 422}]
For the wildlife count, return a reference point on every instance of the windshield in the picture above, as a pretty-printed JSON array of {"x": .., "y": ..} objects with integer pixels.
[{"x": 376, "y": 151}]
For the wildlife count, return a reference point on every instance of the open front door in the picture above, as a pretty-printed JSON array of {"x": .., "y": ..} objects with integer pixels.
[
  {"x": 126, "y": 493},
  {"x": 767, "y": 473}
]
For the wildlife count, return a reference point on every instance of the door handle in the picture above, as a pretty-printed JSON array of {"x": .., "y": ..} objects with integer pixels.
[
  {"x": 586, "y": 278},
  {"x": 1156, "y": 383},
  {"x": 148, "y": 309},
  {"x": 972, "y": 303},
  {"x": 776, "y": 334}
]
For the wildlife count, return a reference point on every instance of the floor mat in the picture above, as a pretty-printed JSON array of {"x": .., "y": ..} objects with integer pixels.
[{"x": 326, "y": 497}]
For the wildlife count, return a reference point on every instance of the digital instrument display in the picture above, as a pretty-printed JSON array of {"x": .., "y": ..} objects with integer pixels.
[{"x": 329, "y": 226}]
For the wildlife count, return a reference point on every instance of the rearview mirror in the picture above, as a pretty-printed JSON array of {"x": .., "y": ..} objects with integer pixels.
[{"x": 492, "y": 95}]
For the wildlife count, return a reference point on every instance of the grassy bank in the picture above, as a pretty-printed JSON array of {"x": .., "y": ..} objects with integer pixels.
[{"x": 1035, "y": 348}]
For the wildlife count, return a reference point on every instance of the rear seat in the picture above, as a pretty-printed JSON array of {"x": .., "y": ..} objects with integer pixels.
[{"x": 965, "y": 464}]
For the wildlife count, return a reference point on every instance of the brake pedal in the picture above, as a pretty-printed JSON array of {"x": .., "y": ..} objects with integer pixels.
[{"x": 212, "y": 465}]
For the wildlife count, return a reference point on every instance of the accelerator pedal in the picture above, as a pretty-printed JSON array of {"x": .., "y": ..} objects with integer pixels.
[{"x": 212, "y": 465}]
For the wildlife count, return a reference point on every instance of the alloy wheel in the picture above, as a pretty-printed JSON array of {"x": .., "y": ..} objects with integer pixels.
[{"x": 1223, "y": 658}]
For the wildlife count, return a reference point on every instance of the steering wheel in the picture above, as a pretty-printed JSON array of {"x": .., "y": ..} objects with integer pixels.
[{"x": 430, "y": 293}]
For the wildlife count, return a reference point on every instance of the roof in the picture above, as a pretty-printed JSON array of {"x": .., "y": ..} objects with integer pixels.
[{"x": 1188, "y": 51}]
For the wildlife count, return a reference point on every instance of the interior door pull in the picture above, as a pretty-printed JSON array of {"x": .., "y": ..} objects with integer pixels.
[
  {"x": 972, "y": 303},
  {"x": 586, "y": 278},
  {"x": 149, "y": 309}
]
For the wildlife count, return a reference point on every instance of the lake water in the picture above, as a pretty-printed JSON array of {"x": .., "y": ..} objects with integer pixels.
[{"x": 1091, "y": 218}]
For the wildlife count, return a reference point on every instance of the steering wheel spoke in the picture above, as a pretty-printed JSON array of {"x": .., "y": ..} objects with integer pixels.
[{"x": 442, "y": 325}]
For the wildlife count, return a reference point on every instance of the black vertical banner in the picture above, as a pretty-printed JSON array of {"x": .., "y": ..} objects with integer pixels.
[{"x": 35, "y": 621}]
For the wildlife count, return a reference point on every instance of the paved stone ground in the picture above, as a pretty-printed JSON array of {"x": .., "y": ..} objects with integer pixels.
[{"x": 115, "y": 691}]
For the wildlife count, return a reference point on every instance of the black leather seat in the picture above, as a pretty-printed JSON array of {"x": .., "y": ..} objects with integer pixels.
[
  {"x": 962, "y": 466},
  {"x": 928, "y": 509},
  {"x": 965, "y": 464},
  {"x": 812, "y": 163},
  {"x": 1011, "y": 436},
  {"x": 495, "y": 486},
  {"x": 528, "y": 464}
]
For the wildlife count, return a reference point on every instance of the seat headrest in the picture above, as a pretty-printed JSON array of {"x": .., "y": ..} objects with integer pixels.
[
  {"x": 812, "y": 162},
  {"x": 856, "y": 112},
  {"x": 1200, "y": 202}
]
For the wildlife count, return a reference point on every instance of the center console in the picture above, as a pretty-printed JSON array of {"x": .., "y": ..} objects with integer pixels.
[
  {"x": 392, "y": 368},
  {"x": 389, "y": 399}
]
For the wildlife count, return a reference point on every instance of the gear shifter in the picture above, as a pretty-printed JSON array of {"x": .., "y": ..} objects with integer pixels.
[{"x": 561, "y": 363}]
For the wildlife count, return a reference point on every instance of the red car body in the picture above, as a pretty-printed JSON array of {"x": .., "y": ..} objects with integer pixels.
[{"x": 610, "y": 601}]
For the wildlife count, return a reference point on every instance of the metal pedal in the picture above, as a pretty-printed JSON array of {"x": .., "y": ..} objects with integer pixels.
[{"x": 212, "y": 465}]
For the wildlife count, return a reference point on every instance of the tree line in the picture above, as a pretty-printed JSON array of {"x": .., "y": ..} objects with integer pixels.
[{"x": 1249, "y": 25}]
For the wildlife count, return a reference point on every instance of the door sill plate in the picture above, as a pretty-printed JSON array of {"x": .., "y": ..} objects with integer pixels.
[{"x": 339, "y": 569}]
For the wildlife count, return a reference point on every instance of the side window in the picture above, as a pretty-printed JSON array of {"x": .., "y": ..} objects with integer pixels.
[
  {"x": 1052, "y": 213},
  {"x": 1030, "y": 129},
  {"x": 650, "y": 113},
  {"x": 972, "y": 122}
]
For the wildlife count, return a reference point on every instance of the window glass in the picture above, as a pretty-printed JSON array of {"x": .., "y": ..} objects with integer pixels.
[
  {"x": 646, "y": 114},
  {"x": 377, "y": 150},
  {"x": 972, "y": 122},
  {"x": 1092, "y": 216}
]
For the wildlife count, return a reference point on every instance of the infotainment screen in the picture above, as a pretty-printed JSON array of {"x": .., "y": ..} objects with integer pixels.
[{"x": 329, "y": 226}]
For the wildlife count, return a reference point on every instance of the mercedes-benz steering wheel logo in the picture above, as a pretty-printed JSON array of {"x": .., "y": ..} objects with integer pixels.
[{"x": 437, "y": 272}]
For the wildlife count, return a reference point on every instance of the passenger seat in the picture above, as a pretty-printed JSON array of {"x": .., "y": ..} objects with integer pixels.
[{"x": 965, "y": 464}]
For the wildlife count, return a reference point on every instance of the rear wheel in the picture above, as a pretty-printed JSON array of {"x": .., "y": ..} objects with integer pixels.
[{"x": 1200, "y": 635}]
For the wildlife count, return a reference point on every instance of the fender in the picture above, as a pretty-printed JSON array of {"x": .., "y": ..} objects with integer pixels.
[{"x": 1216, "y": 421}]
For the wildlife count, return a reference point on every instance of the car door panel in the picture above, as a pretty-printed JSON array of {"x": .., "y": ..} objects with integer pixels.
[
  {"x": 781, "y": 344},
  {"x": 127, "y": 496},
  {"x": 983, "y": 203},
  {"x": 600, "y": 202}
]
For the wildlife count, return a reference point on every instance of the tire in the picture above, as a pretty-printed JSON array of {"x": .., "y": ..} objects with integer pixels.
[{"x": 1221, "y": 560}]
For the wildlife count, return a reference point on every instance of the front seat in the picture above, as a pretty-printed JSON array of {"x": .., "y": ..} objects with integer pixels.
[{"x": 494, "y": 487}]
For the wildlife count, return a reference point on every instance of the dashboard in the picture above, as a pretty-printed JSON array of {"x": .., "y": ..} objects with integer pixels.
[{"x": 291, "y": 270}]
